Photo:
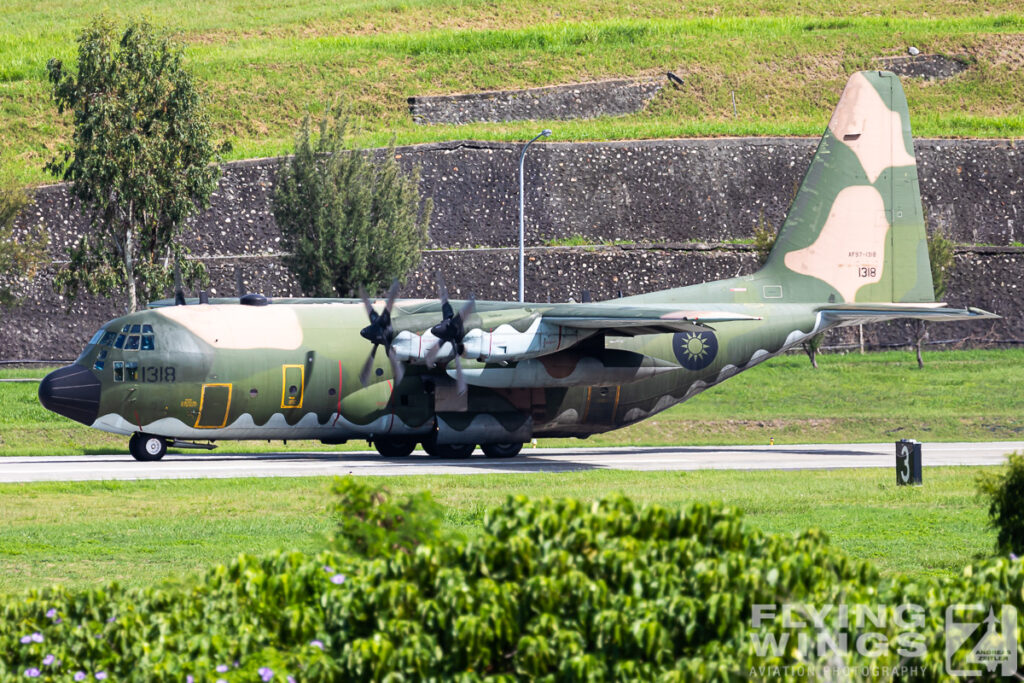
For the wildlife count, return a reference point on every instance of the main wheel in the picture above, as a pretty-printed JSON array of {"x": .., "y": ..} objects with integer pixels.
[
  {"x": 146, "y": 447},
  {"x": 501, "y": 450},
  {"x": 451, "y": 451},
  {"x": 395, "y": 446}
]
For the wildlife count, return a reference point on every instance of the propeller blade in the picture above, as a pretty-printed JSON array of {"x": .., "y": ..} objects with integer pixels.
[
  {"x": 442, "y": 290},
  {"x": 372, "y": 314},
  {"x": 432, "y": 353},
  {"x": 460, "y": 380},
  {"x": 364, "y": 374},
  {"x": 468, "y": 308},
  {"x": 392, "y": 294},
  {"x": 396, "y": 367}
]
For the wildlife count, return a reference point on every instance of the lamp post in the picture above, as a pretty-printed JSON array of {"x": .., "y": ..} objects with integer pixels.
[{"x": 522, "y": 261}]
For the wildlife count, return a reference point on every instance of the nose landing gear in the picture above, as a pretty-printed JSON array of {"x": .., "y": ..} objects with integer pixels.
[{"x": 147, "y": 447}]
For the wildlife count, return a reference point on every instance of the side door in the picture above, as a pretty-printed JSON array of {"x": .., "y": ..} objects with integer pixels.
[{"x": 214, "y": 404}]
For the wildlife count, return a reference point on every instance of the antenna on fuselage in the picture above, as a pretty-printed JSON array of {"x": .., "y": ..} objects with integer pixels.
[
  {"x": 179, "y": 294},
  {"x": 239, "y": 285}
]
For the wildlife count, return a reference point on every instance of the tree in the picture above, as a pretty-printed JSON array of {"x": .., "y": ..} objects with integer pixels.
[
  {"x": 20, "y": 254},
  {"x": 349, "y": 219},
  {"x": 941, "y": 254},
  {"x": 140, "y": 160}
]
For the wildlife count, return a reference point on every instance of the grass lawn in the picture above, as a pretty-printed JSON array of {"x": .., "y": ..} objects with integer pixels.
[
  {"x": 85, "y": 533},
  {"x": 958, "y": 396},
  {"x": 263, "y": 65}
]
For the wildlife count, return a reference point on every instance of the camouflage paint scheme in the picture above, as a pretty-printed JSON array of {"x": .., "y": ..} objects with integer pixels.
[{"x": 852, "y": 250}]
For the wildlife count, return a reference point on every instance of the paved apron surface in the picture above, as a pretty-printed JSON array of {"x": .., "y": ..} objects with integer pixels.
[{"x": 227, "y": 464}]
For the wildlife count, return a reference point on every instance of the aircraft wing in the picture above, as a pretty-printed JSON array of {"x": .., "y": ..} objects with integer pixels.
[
  {"x": 630, "y": 321},
  {"x": 857, "y": 314}
]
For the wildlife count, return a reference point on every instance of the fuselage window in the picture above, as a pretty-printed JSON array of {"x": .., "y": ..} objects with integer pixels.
[
  {"x": 118, "y": 371},
  {"x": 100, "y": 360},
  {"x": 132, "y": 344},
  {"x": 147, "y": 342}
]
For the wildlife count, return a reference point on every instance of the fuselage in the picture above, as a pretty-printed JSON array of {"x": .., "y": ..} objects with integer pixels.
[{"x": 290, "y": 371}]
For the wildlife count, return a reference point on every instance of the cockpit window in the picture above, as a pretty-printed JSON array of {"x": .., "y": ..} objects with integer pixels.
[
  {"x": 96, "y": 337},
  {"x": 132, "y": 338}
]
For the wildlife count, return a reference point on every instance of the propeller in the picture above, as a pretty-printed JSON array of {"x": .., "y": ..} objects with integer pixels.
[
  {"x": 452, "y": 330},
  {"x": 380, "y": 332}
]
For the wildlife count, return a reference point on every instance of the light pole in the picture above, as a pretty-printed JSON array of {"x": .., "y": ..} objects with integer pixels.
[{"x": 522, "y": 261}]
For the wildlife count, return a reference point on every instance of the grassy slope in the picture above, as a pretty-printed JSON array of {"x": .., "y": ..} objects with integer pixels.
[
  {"x": 960, "y": 395},
  {"x": 264, "y": 64},
  {"x": 140, "y": 532}
]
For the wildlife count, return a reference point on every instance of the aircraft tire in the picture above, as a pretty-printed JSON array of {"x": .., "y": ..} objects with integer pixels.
[
  {"x": 147, "y": 447},
  {"x": 395, "y": 447},
  {"x": 501, "y": 450},
  {"x": 448, "y": 451}
]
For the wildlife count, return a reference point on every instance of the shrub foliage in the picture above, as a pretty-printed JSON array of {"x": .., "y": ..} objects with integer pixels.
[
  {"x": 552, "y": 590},
  {"x": 348, "y": 218},
  {"x": 1004, "y": 492}
]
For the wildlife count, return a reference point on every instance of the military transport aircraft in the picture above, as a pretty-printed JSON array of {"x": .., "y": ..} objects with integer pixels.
[{"x": 458, "y": 374}]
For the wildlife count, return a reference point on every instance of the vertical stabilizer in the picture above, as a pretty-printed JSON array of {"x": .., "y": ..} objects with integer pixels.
[{"x": 855, "y": 231}]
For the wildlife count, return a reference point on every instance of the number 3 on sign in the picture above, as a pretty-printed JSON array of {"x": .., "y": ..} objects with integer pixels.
[
  {"x": 905, "y": 472},
  {"x": 867, "y": 271}
]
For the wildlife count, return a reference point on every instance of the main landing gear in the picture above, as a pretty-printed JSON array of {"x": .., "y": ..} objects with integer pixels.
[
  {"x": 146, "y": 447},
  {"x": 400, "y": 447}
]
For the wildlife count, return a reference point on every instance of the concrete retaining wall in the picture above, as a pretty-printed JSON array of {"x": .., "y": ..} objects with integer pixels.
[
  {"x": 556, "y": 102},
  {"x": 668, "y": 196}
]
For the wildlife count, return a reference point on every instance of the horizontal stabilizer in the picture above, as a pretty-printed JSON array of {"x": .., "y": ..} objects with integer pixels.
[{"x": 860, "y": 314}]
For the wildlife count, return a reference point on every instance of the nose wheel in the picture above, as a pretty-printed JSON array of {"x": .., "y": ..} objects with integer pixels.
[{"x": 147, "y": 447}]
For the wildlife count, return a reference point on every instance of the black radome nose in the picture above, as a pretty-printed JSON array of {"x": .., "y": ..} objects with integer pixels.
[{"x": 72, "y": 392}]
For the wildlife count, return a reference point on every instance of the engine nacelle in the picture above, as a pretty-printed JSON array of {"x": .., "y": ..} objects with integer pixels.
[{"x": 506, "y": 343}]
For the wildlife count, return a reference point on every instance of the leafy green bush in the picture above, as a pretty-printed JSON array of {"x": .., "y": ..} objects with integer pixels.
[
  {"x": 1005, "y": 493},
  {"x": 372, "y": 523},
  {"x": 553, "y": 590}
]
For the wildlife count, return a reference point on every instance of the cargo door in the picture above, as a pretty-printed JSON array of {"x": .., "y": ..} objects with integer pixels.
[{"x": 602, "y": 403}]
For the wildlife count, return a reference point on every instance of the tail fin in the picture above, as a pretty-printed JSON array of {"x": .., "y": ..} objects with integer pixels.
[{"x": 855, "y": 231}]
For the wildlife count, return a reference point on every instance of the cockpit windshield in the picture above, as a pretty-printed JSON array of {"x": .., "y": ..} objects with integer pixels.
[{"x": 128, "y": 338}]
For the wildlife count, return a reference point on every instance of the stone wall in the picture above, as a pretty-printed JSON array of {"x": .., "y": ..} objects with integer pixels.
[
  {"x": 680, "y": 201},
  {"x": 556, "y": 103}
]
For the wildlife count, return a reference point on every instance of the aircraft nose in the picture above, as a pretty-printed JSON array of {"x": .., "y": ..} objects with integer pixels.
[{"x": 72, "y": 391}]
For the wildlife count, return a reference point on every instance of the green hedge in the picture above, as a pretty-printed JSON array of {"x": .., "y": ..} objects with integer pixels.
[{"x": 554, "y": 590}]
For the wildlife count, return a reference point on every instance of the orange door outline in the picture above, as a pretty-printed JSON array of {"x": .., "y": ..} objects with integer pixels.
[
  {"x": 290, "y": 401},
  {"x": 202, "y": 402}
]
